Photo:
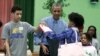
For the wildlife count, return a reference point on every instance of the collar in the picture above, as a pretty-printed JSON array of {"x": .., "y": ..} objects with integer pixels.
[{"x": 75, "y": 28}]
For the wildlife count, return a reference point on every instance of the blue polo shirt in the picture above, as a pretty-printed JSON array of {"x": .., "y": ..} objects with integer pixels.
[{"x": 57, "y": 26}]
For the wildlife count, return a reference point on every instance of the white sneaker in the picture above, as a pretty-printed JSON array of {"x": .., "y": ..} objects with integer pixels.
[{"x": 29, "y": 53}]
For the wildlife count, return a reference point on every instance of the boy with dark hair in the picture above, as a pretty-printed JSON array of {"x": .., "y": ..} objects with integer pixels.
[
  {"x": 15, "y": 34},
  {"x": 13, "y": 10}
]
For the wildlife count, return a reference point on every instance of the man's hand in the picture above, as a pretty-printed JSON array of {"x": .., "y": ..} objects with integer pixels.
[
  {"x": 7, "y": 47},
  {"x": 43, "y": 23},
  {"x": 2, "y": 47},
  {"x": 38, "y": 29},
  {"x": 45, "y": 49}
]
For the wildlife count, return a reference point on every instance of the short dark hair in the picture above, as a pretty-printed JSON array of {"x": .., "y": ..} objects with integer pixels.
[
  {"x": 77, "y": 19},
  {"x": 15, "y": 8},
  {"x": 88, "y": 37}
]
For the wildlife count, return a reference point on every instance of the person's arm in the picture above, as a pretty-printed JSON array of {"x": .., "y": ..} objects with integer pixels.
[
  {"x": 42, "y": 45},
  {"x": 38, "y": 41},
  {"x": 29, "y": 27},
  {"x": 7, "y": 47},
  {"x": 37, "y": 38},
  {"x": 5, "y": 37},
  {"x": 64, "y": 34},
  {"x": 51, "y": 35},
  {"x": 97, "y": 46},
  {"x": 1, "y": 44}
]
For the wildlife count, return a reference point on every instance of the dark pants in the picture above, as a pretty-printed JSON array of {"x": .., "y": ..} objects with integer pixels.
[
  {"x": 53, "y": 48},
  {"x": 42, "y": 53}
]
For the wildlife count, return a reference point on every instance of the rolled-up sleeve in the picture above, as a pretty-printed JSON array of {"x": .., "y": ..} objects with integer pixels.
[{"x": 65, "y": 34}]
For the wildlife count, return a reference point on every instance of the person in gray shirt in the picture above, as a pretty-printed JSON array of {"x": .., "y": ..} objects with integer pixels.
[{"x": 15, "y": 34}]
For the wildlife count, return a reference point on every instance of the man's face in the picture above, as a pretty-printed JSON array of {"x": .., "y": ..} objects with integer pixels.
[
  {"x": 56, "y": 11},
  {"x": 17, "y": 15}
]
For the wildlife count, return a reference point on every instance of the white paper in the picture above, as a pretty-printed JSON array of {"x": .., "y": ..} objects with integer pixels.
[{"x": 45, "y": 28}]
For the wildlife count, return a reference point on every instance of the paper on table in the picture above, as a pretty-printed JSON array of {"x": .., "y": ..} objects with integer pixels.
[{"x": 45, "y": 28}]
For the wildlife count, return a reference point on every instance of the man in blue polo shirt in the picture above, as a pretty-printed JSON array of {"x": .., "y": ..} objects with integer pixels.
[{"x": 55, "y": 22}]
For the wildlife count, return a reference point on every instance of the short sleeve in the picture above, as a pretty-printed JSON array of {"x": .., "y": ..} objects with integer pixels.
[
  {"x": 30, "y": 28},
  {"x": 5, "y": 32}
]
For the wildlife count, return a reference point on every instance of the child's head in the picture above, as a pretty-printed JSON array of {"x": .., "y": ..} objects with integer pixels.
[
  {"x": 92, "y": 31},
  {"x": 85, "y": 38},
  {"x": 76, "y": 20}
]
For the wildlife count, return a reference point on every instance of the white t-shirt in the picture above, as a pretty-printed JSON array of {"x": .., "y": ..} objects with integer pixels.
[{"x": 90, "y": 50}]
